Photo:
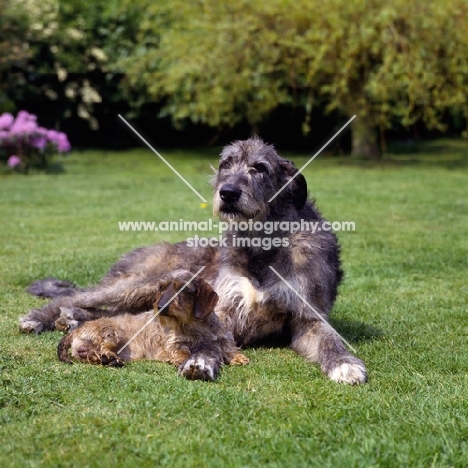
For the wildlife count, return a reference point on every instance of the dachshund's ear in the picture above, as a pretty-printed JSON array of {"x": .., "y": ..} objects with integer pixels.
[
  {"x": 157, "y": 298},
  {"x": 163, "y": 299},
  {"x": 206, "y": 300},
  {"x": 298, "y": 187}
]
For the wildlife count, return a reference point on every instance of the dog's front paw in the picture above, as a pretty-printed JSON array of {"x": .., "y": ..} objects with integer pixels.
[
  {"x": 239, "y": 359},
  {"x": 111, "y": 360},
  {"x": 198, "y": 368},
  {"x": 352, "y": 371}
]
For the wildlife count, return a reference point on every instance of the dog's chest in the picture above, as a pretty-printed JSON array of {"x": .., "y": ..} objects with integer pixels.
[
  {"x": 251, "y": 311},
  {"x": 239, "y": 292}
]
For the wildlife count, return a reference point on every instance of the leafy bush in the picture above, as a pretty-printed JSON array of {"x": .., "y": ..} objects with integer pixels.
[{"x": 24, "y": 144}]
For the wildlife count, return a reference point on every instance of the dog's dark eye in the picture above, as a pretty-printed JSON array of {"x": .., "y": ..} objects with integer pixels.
[
  {"x": 224, "y": 165},
  {"x": 259, "y": 167}
]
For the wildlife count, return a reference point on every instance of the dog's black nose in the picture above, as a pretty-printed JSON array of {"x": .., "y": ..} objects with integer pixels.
[{"x": 230, "y": 193}]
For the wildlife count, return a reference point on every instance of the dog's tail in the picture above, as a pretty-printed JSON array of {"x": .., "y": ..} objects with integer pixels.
[
  {"x": 51, "y": 287},
  {"x": 63, "y": 347}
]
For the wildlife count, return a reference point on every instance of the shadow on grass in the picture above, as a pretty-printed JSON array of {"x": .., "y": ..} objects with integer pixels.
[
  {"x": 442, "y": 153},
  {"x": 355, "y": 331},
  {"x": 449, "y": 154},
  {"x": 53, "y": 168},
  {"x": 352, "y": 331}
]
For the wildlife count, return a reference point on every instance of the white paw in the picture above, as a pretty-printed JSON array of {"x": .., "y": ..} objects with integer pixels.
[
  {"x": 353, "y": 373},
  {"x": 30, "y": 326},
  {"x": 196, "y": 368}
]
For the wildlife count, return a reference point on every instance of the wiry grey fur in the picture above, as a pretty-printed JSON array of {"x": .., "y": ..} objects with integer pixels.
[
  {"x": 184, "y": 324},
  {"x": 254, "y": 302}
]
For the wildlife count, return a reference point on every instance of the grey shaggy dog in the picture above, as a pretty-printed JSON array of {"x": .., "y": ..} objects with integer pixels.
[{"x": 254, "y": 302}]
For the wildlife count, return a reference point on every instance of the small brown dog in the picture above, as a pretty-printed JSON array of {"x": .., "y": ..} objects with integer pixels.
[{"x": 186, "y": 324}]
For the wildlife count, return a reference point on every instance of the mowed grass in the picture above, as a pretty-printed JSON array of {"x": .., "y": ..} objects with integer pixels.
[{"x": 402, "y": 307}]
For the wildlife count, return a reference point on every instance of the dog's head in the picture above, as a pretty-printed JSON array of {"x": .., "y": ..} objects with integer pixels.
[
  {"x": 250, "y": 173},
  {"x": 179, "y": 303}
]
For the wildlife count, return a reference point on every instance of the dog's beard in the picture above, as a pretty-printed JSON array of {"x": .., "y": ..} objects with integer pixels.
[
  {"x": 226, "y": 211},
  {"x": 232, "y": 215},
  {"x": 245, "y": 208},
  {"x": 237, "y": 212}
]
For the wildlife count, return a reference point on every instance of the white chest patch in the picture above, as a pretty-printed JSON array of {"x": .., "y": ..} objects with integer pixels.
[{"x": 238, "y": 293}]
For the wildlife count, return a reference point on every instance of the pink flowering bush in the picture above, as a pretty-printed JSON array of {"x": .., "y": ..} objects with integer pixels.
[
  {"x": 24, "y": 144},
  {"x": 14, "y": 161}
]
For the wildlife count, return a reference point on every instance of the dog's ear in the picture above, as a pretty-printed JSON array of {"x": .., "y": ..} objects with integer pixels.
[
  {"x": 157, "y": 297},
  {"x": 298, "y": 187},
  {"x": 205, "y": 301},
  {"x": 299, "y": 191},
  {"x": 163, "y": 298}
]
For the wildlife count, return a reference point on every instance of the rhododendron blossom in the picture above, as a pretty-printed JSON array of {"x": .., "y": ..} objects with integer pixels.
[
  {"x": 28, "y": 141},
  {"x": 14, "y": 161}
]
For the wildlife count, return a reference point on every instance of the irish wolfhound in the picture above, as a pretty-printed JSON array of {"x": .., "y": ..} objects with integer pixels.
[
  {"x": 254, "y": 302},
  {"x": 184, "y": 324}
]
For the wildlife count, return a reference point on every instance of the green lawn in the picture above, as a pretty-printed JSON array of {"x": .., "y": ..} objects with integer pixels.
[{"x": 402, "y": 306}]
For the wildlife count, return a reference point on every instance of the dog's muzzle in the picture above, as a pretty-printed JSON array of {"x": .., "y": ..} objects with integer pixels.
[{"x": 230, "y": 193}]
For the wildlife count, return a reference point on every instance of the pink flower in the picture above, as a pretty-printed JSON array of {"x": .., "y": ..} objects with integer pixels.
[
  {"x": 52, "y": 135},
  {"x": 63, "y": 145},
  {"x": 4, "y": 136},
  {"x": 24, "y": 136},
  {"x": 13, "y": 161},
  {"x": 25, "y": 116},
  {"x": 6, "y": 120},
  {"x": 24, "y": 123},
  {"x": 39, "y": 142},
  {"x": 60, "y": 140}
]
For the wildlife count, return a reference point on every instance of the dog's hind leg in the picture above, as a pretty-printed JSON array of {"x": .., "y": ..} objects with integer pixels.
[
  {"x": 70, "y": 319},
  {"x": 45, "y": 318},
  {"x": 104, "y": 300},
  {"x": 320, "y": 343},
  {"x": 39, "y": 320},
  {"x": 121, "y": 296}
]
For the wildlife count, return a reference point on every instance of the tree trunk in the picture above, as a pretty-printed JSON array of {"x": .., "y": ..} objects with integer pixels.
[{"x": 364, "y": 137}]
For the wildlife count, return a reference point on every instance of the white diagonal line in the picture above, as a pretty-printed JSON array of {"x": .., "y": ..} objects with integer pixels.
[
  {"x": 308, "y": 305},
  {"x": 312, "y": 158},
  {"x": 160, "y": 310},
  {"x": 162, "y": 159}
]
